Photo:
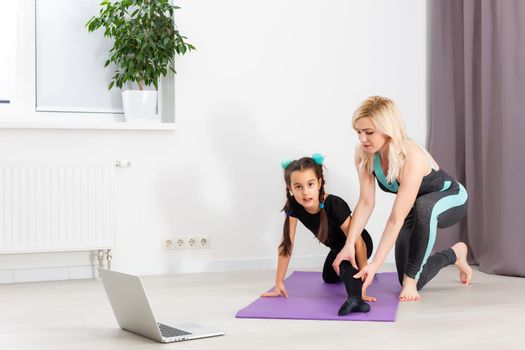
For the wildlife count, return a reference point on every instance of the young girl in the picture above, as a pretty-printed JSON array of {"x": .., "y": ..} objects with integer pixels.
[
  {"x": 328, "y": 217},
  {"x": 427, "y": 198}
]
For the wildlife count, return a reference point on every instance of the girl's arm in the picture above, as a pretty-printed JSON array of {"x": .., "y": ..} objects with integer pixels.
[{"x": 282, "y": 266}]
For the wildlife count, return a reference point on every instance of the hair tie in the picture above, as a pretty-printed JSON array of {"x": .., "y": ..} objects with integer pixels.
[
  {"x": 288, "y": 213},
  {"x": 285, "y": 163},
  {"x": 321, "y": 205},
  {"x": 318, "y": 158}
]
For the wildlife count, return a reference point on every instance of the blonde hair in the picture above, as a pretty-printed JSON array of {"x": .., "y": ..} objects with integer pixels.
[{"x": 387, "y": 119}]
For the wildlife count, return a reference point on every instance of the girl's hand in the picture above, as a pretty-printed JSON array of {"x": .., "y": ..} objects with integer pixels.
[
  {"x": 367, "y": 274},
  {"x": 278, "y": 291},
  {"x": 347, "y": 253},
  {"x": 368, "y": 298}
]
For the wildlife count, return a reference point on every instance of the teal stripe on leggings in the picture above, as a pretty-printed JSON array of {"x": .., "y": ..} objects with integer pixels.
[{"x": 441, "y": 206}]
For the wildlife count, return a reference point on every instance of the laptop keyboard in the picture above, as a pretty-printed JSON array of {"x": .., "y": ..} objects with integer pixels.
[{"x": 170, "y": 332}]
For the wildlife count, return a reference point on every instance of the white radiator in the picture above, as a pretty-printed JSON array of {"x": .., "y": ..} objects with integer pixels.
[{"x": 56, "y": 206}]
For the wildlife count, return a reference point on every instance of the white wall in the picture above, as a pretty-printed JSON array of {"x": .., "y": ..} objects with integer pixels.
[{"x": 270, "y": 80}]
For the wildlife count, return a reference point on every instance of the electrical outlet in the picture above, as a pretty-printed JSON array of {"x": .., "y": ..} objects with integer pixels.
[
  {"x": 204, "y": 242},
  {"x": 175, "y": 243},
  {"x": 187, "y": 242},
  {"x": 198, "y": 242},
  {"x": 168, "y": 243}
]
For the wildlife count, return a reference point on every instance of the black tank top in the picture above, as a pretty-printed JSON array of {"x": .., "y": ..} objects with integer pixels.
[
  {"x": 437, "y": 180},
  {"x": 337, "y": 211}
]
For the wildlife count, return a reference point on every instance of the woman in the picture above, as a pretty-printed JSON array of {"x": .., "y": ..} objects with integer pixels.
[{"x": 426, "y": 198}]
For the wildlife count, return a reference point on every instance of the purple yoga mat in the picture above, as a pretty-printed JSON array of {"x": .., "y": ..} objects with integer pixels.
[{"x": 312, "y": 299}]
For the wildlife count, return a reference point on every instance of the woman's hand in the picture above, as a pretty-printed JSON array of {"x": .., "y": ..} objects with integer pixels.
[
  {"x": 278, "y": 291},
  {"x": 347, "y": 253},
  {"x": 367, "y": 274}
]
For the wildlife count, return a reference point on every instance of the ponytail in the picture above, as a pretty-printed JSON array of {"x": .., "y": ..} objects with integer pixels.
[
  {"x": 322, "y": 233},
  {"x": 285, "y": 248}
]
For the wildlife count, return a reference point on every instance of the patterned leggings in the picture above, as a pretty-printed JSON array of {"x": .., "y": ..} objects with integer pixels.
[{"x": 417, "y": 236}]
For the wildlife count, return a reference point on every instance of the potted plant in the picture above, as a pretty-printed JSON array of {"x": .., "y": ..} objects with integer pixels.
[{"x": 145, "y": 42}]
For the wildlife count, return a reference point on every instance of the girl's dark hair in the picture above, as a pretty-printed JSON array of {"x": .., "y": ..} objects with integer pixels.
[{"x": 285, "y": 248}]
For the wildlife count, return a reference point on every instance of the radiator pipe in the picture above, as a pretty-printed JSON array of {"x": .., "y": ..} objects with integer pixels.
[
  {"x": 101, "y": 258},
  {"x": 109, "y": 257}
]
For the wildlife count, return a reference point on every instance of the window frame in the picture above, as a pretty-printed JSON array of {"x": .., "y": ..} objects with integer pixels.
[{"x": 22, "y": 112}]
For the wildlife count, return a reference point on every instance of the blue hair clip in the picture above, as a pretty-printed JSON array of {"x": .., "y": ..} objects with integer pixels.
[
  {"x": 318, "y": 158},
  {"x": 285, "y": 163}
]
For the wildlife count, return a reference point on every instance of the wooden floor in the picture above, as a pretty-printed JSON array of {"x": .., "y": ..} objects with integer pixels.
[{"x": 489, "y": 314}]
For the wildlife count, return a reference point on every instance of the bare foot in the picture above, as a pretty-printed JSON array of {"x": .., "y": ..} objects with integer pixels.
[
  {"x": 465, "y": 272},
  {"x": 409, "y": 291}
]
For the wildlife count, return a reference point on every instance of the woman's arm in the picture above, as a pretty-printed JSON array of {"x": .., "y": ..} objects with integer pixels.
[
  {"x": 364, "y": 208},
  {"x": 360, "y": 254},
  {"x": 362, "y": 212},
  {"x": 362, "y": 262},
  {"x": 282, "y": 266},
  {"x": 413, "y": 172}
]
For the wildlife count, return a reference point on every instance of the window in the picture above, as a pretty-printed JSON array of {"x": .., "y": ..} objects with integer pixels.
[
  {"x": 70, "y": 73},
  {"x": 8, "y": 17},
  {"x": 52, "y": 69}
]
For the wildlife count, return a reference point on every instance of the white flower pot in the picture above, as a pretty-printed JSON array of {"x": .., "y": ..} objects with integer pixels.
[{"x": 139, "y": 104}]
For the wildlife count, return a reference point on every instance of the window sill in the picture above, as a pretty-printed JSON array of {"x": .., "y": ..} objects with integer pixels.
[{"x": 106, "y": 125}]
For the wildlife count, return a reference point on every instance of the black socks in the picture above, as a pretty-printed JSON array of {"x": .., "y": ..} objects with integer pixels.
[
  {"x": 353, "y": 305},
  {"x": 353, "y": 286}
]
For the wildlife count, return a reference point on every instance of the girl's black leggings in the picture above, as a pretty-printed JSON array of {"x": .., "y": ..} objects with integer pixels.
[{"x": 347, "y": 271}]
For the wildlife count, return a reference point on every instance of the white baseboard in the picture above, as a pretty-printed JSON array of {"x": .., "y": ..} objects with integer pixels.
[
  {"x": 41, "y": 274},
  {"x": 57, "y": 273},
  {"x": 246, "y": 264}
]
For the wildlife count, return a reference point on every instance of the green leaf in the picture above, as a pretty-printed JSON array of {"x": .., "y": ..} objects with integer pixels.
[{"x": 145, "y": 39}]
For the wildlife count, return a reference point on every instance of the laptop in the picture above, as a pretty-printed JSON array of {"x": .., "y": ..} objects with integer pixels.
[{"x": 133, "y": 312}]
